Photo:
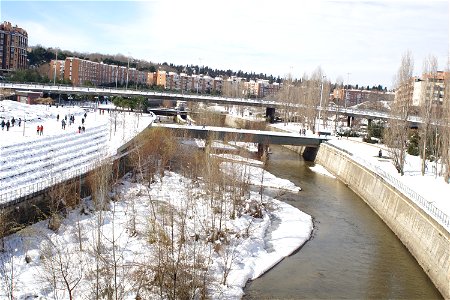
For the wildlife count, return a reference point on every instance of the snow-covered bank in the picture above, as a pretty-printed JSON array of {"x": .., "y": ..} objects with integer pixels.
[
  {"x": 321, "y": 170},
  {"x": 259, "y": 177},
  {"x": 430, "y": 187},
  {"x": 253, "y": 245},
  {"x": 173, "y": 223}
]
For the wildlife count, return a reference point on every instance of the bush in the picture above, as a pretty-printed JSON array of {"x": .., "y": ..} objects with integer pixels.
[{"x": 413, "y": 143}]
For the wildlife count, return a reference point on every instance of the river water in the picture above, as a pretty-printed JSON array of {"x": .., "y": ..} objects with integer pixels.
[{"x": 352, "y": 253}]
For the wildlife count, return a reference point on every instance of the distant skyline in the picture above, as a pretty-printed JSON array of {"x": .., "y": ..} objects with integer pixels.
[{"x": 360, "y": 42}]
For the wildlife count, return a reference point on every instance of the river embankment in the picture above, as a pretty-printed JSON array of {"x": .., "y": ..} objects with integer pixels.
[{"x": 426, "y": 239}]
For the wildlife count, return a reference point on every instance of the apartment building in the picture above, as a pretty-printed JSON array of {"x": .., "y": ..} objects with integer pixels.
[
  {"x": 13, "y": 47},
  {"x": 266, "y": 89},
  {"x": 56, "y": 70},
  {"x": 429, "y": 85},
  {"x": 161, "y": 78},
  {"x": 350, "y": 97},
  {"x": 173, "y": 81},
  {"x": 81, "y": 71}
]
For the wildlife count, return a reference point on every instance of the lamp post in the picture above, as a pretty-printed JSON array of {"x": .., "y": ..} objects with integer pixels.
[
  {"x": 320, "y": 103},
  {"x": 137, "y": 75},
  {"x": 54, "y": 75},
  {"x": 346, "y": 92},
  {"x": 128, "y": 70},
  {"x": 117, "y": 74}
]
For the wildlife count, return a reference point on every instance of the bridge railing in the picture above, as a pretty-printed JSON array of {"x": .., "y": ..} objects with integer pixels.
[{"x": 426, "y": 205}]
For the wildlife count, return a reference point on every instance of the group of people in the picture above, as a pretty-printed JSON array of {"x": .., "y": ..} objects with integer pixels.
[
  {"x": 11, "y": 123},
  {"x": 302, "y": 131},
  {"x": 81, "y": 128},
  {"x": 40, "y": 130}
]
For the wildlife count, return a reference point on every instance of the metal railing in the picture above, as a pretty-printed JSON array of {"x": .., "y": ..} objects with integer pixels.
[{"x": 426, "y": 205}]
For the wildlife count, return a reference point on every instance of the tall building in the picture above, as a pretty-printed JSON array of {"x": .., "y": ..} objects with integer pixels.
[
  {"x": 80, "y": 71},
  {"x": 13, "y": 47},
  {"x": 56, "y": 70}
]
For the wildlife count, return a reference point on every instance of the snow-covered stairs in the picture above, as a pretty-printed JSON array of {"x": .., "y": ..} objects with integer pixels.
[{"x": 33, "y": 165}]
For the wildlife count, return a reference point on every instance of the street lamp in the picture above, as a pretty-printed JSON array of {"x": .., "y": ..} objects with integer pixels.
[
  {"x": 346, "y": 92},
  {"x": 56, "y": 61},
  {"x": 117, "y": 74},
  {"x": 137, "y": 75},
  {"x": 321, "y": 96},
  {"x": 128, "y": 70}
]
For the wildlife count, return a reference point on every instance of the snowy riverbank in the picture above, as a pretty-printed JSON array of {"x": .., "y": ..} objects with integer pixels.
[{"x": 114, "y": 249}]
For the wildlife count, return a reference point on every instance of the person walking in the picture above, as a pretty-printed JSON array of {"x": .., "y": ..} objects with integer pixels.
[
  {"x": 3, "y": 124},
  {"x": 7, "y": 125},
  {"x": 41, "y": 130},
  {"x": 20, "y": 121},
  {"x": 79, "y": 129},
  {"x": 38, "y": 129},
  {"x": 13, "y": 121},
  {"x": 57, "y": 118},
  {"x": 63, "y": 124}
]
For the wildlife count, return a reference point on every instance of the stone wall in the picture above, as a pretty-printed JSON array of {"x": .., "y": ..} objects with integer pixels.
[{"x": 426, "y": 239}]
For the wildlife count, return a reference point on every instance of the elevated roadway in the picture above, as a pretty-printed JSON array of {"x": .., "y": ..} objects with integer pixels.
[{"x": 153, "y": 95}]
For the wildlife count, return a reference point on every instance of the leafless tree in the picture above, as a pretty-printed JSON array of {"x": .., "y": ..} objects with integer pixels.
[
  {"x": 444, "y": 130},
  {"x": 396, "y": 134},
  {"x": 62, "y": 268},
  {"x": 7, "y": 274},
  {"x": 428, "y": 108}
]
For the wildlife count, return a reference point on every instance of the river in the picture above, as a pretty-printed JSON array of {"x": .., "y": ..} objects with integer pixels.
[{"x": 352, "y": 253}]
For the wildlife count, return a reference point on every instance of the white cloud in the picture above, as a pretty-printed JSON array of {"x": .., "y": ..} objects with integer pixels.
[{"x": 365, "y": 38}]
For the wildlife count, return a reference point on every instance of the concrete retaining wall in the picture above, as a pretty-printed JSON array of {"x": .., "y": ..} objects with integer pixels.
[{"x": 427, "y": 240}]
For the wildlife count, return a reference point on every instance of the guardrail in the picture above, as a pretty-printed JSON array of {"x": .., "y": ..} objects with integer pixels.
[{"x": 427, "y": 206}]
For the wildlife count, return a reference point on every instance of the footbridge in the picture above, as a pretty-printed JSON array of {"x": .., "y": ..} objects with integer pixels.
[{"x": 262, "y": 137}]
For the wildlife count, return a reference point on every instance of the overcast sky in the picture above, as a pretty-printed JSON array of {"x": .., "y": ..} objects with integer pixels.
[{"x": 359, "y": 41}]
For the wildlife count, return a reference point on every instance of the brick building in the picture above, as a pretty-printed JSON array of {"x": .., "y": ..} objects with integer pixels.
[
  {"x": 350, "y": 97},
  {"x": 13, "y": 47},
  {"x": 81, "y": 71}
]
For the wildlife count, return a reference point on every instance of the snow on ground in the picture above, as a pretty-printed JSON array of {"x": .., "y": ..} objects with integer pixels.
[
  {"x": 250, "y": 147},
  {"x": 258, "y": 176},
  {"x": 30, "y": 162},
  {"x": 433, "y": 189},
  {"x": 256, "y": 245},
  {"x": 430, "y": 187},
  {"x": 321, "y": 170},
  {"x": 122, "y": 126},
  {"x": 292, "y": 127},
  {"x": 237, "y": 158}
]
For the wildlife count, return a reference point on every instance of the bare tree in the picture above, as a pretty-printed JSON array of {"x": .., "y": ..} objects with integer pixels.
[
  {"x": 62, "y": 268},
  {"x": 428, "y": 108},
  {"x": 7, "y": 275},
  {"x": 444, "y": 130},
  {"x": 396, "y": 135}
]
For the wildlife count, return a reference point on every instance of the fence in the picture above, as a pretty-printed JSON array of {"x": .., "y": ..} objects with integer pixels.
[{"x": 427, "y": 206}]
